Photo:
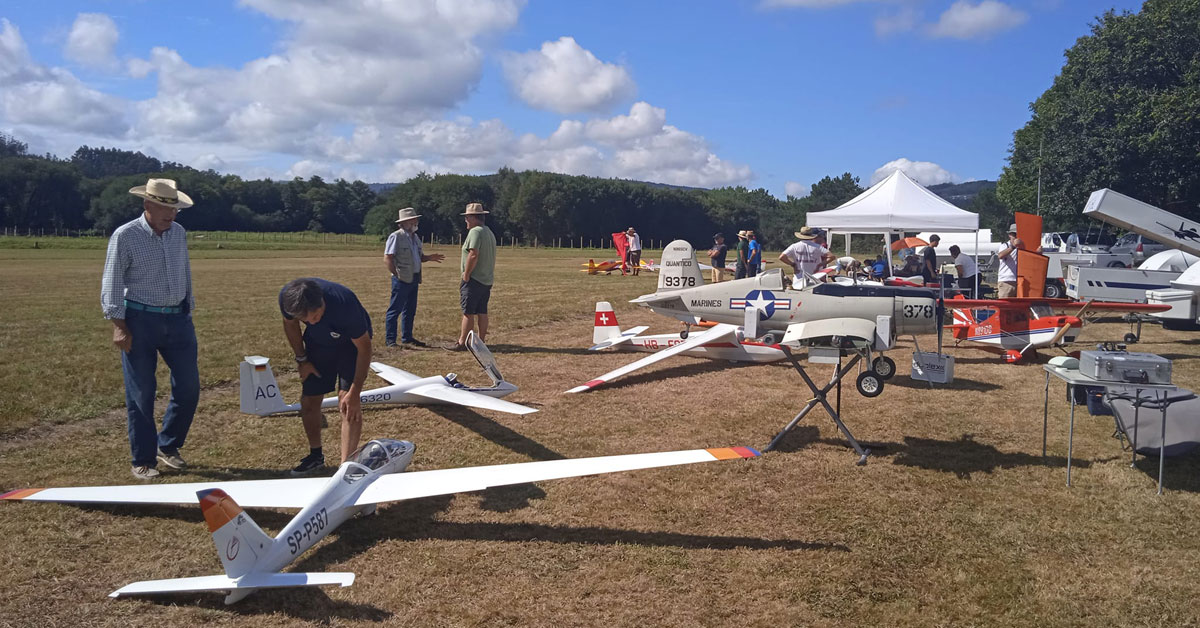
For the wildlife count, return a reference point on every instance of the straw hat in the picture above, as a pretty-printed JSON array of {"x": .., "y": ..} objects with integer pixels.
[
  {"x": 408, "y": 213},
  {"x": 807, "y": 233},
  {"x": 474, "y": 209},
  {"x": 742, "y": 233},
  {"x": 163, "y": 192}
]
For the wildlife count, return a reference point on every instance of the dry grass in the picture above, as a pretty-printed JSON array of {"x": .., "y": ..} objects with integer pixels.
[{"x": 956, "y": 520}]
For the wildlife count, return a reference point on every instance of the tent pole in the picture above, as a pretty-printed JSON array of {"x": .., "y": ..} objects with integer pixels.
[{"x": 976, "y": 294}]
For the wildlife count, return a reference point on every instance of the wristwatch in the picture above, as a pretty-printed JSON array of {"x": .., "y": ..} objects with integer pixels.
[{"x": 300, "y": 359}]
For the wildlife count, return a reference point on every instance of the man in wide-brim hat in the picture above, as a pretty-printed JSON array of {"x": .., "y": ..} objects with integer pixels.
[
  {"x": 743, "y": 253},
  {"x": 146, "y": 291},
  {"x": 477, "y": 269},
  {"x": 807, "y": 255},
  {"x": 403, "y": 256}
]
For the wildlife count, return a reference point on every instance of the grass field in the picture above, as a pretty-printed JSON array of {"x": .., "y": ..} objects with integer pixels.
[{"x": 956, "y": 520}]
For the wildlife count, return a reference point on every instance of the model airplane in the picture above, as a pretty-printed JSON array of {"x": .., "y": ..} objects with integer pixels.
[
  {"x": 721, "y": 341},
  {"x": 252, "y": 559},
  {"x": 1183, "y": 232},
  {"x": 859, "y": 318},
  {"x": 606, "y": 267},
  {"x": 260, "y": 394},
  {"x": 1019, "y": 327}
]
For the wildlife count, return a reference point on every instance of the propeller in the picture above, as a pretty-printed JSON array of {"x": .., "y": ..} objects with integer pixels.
[{"x": 1062, "y": 331}]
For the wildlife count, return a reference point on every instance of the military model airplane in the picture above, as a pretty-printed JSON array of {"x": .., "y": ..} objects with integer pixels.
[
  {"x": 260, "y": 394},
  {"x": 1183, "y": 232},
  {"x": 1018, "y": 327},
  {"x": 862, "y": 318},
  {"x": 721, "y": 341},
  {"x": 372, "y": 476}
]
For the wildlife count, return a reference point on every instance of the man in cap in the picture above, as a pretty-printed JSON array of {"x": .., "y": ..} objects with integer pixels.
[
  {"x": 716, "y": 256},
  {"x": 1006, "y": 274},
  {"x": 403, "y": 257},
  {"x": 806, "y": 256},
  {"x": 478, "y": 267},
  {"x": 334, "y": 350},
  {"x": 146, "y": 291},
  {"x": 633, "y": 250},
  {"x": 743, "y": 254}
]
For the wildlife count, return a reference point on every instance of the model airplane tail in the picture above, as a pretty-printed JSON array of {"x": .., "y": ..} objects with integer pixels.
[
  {"x": 260, "y": 394},
  {"x": 679, "y": 269},
  {"x": 240, "y": 542},
  {"x": 605, "y": 327}
]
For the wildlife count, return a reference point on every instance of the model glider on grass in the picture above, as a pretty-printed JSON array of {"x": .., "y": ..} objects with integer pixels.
[
  {"x": 261, "y": 396},
  {"x": 720, "y": 341},
  {"x": 372, "y": 476}
]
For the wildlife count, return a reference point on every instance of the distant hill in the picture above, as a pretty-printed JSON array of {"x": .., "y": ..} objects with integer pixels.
[{"x": 961, "y": 194}]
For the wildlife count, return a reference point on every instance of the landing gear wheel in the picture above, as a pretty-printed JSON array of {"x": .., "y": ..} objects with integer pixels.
[
  {"x": 1131, "y": 338},
  {"x": 683, "y": 335},
  {"x": 884, "y": 367},
  {"x": 771, "y": 338},
  {"x": 869, "y": 384}
]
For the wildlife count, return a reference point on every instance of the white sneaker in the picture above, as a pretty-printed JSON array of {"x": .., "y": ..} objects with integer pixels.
[{"x": 145, "y": 473}]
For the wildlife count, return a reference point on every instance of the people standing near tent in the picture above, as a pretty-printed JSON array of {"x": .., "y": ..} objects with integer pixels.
[
  {"x": 929, "y": 267},
  {"x": 753, "y": 255},
  {"x": 716, "y": 256},
  {"x": 633, "y": 250},
  {"x": 966, "y": 268},
  {"x": 1006, "y": 274},
  {"x": 743, "y": 253},
  {"x": 806, "y": 256}
]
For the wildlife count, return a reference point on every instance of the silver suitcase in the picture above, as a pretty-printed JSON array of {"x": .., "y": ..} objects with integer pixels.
[{"x": 1127, "y": 367}]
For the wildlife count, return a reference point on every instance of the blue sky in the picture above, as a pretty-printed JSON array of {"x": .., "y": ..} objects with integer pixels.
[{"x": 762, "y": 93}]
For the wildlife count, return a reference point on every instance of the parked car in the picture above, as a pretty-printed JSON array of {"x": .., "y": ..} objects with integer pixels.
[{"x": 1138, "y": 245}]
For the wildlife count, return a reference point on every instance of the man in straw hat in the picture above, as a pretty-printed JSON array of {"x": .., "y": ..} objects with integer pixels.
[
  {"x": 478, "y": 266},
  {"x": 403, "y": 257},
  {"x": 1006, "y": 272},
  {"x": 633, "y": 251},
  {"x": 146, "y": 291},
  {"x": 743, "y": 254},
  {"x": 807, "y": 255}
]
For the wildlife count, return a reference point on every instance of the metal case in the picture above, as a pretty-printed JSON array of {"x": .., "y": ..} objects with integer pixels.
[{"x": 1128, "y": 367}]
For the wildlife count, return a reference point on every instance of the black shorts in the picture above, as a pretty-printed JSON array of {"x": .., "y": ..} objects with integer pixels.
[
  {"x": 633, "y": 258},
  {"x": 335, "y": 362},
  {"x": 473, "y": 297}
]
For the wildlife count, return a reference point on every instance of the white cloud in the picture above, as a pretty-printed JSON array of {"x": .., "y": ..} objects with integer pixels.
[
  {"x": 34, "y": 95},
  {"x": 902, "y": 21},
  {"x": 966, "y": 20},
  {"x": 924, "y": 172},
  {"x": 797, "y": 190},
  {"x": 566, "y": 78},
  {"x": 91, "y": 41}
]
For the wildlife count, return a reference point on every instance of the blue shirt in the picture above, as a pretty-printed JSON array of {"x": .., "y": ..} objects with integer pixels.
[
  {"x": 344, "y": 318},
  {"x": 755, "y": 258},
  {"x": 145, "y": 267}
]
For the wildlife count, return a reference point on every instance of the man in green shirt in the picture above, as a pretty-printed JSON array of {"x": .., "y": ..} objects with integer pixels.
[
  {"x": 478, "y": 267},
  {"x": 743, "y": 253}
]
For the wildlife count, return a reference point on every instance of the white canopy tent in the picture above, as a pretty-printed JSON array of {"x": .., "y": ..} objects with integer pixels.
[{"x": 893, "y": 206}]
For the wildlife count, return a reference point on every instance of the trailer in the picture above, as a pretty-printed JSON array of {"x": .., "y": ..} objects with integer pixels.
[{"x": 1059, "y": 264}]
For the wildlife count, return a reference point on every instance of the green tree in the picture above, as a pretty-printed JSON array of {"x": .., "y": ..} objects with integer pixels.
[
  {"x": 1124, "y": 113},
  {"x": 11, "y": 146}
]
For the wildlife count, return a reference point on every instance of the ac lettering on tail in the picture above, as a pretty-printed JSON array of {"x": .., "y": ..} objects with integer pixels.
[{"x": 270, "y": 391}]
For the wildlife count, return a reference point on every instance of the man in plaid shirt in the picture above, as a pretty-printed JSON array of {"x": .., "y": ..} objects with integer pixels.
[{"x": 146, "y": 292}]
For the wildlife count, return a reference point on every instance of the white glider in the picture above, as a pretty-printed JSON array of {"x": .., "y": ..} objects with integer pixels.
[
  {"x": 252, "y": 559},
  {"x": 260, "y": 394},
  {"x": 722, "y": 342}
]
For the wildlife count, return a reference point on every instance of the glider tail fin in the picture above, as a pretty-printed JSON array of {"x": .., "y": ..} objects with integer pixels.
[
  {"x": 260, "y": 394},
  {"x": 240, "y": 542},
  {"x": 605, "y": 326},
  {"x": 679, "y": 268}
]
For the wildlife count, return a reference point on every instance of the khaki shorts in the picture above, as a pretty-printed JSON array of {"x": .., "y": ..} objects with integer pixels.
[{"x": 1006, "y": 289}]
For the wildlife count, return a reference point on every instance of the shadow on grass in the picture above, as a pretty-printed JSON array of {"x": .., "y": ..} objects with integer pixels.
[
  {"x": 959, "y": 383},
  {"x": 267, "y": 519},
  {"x": 683, "y": 370},
  {"x": 306, "y": 603},
  {"x": 417, "y": 520},
  {"x": 507, "y": 348},
  {"x": 961, "y": 457},
  {"x": 1178, "y": 356},
  {"x": 1180, "y": 473}
]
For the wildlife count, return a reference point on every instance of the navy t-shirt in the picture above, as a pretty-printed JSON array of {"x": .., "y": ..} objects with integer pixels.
[
  {"x": 344, "y": 319},
  {"x": 719, "y": 260}
]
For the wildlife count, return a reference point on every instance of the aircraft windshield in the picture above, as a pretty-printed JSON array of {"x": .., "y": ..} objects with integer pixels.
[
  {"x": 1041, "y": 311},
  {"x": 371, "y": 456}
]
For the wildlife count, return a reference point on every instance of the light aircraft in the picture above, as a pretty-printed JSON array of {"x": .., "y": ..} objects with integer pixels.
[
  {"x": 1183, "y": 232},
  {"x": 252, "y": 559},
  {"x": 721, "y": 341},
  {"x": 859, "y": 318},
  {"x": 1018, "y": 327},
  {"x": 260, "y": 394}
]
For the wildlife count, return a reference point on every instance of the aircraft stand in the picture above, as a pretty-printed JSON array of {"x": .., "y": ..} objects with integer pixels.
[{"x": 819, "y": 397}]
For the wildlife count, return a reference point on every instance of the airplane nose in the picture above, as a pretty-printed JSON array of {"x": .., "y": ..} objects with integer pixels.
[{"x": 1073, "y": 321}]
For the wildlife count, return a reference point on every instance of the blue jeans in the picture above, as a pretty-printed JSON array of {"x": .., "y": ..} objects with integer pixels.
[
  {"x": 174, "y": 337},
  {"x": 403, "y": 305}
]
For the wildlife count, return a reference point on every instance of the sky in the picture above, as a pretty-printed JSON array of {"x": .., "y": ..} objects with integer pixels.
[{"x": 772, "y": 94}]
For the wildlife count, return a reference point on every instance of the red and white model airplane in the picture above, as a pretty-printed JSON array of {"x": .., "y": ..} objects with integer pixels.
[
  {"x": 1018, "y": 327},
  {"x": 720, "y": 341}
]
